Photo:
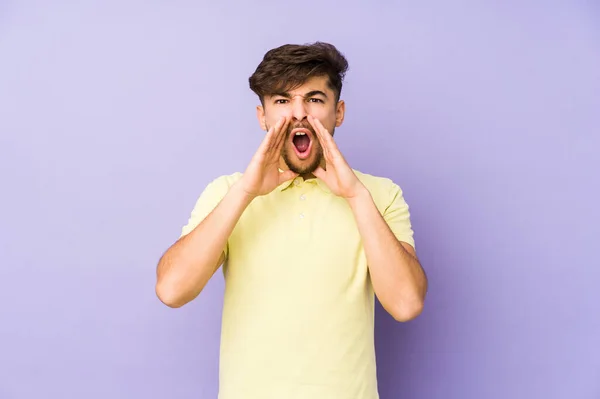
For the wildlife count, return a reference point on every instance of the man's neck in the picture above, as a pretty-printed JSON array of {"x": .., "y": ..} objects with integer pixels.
[{"x": 306, "y": 176}]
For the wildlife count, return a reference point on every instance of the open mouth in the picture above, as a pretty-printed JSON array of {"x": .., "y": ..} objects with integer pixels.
[{"x": 302, "y": 140}]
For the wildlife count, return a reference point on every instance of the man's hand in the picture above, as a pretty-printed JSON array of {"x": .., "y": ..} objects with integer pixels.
[
  {"x": 338, "y": 175},
  {"x": 262, "y": 174},
  {"x": 396, "y": 274}
]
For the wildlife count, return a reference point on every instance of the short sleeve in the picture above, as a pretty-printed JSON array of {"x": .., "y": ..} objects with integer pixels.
[
  {"x": 397, "y": 216},
  {"x": 210, "y": 197}
]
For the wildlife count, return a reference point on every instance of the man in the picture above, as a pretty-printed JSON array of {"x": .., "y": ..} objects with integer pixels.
[{"x": 305, "y": 242}]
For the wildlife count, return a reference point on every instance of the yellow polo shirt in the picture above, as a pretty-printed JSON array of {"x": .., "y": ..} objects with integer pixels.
[{"x": 298, "y": 315}]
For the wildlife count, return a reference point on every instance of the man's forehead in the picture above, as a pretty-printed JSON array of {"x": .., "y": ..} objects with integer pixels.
[
  {"x": 312, "y": 85},
  {"x": 315, "y": 83}
]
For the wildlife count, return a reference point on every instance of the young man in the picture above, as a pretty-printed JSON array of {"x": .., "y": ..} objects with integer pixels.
[{"x": 305, "y": 242}]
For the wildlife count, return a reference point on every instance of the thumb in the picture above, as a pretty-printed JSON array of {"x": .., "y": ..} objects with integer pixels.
[{"x": 287, "y": 175}]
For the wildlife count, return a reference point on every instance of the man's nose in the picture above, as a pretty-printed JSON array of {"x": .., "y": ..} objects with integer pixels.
[{"x": 298, "y": 108}]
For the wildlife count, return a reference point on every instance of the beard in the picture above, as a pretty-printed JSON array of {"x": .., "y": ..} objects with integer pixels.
[{"x": 302, "y": 166}]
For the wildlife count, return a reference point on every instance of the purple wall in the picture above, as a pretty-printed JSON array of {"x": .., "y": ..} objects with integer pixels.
[{"x": 114, "y": 115}]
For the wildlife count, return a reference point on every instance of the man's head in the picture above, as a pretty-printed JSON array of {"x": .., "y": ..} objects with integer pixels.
[{"x": 297, "y": 81}]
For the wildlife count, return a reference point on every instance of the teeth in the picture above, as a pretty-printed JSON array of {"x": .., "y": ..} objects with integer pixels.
[{"x": 300, "y": 134}]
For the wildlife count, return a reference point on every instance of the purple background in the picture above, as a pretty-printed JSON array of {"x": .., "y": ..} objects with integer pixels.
[{"x": 114, "y": 116}]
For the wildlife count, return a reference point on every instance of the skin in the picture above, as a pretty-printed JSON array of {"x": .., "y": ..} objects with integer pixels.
[
  {"x": 396, "y": 274},
  {"x": 314, "y": 98}
]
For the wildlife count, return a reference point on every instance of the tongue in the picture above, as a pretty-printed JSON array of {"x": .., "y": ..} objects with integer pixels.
[{"x": 301, "y": 142}]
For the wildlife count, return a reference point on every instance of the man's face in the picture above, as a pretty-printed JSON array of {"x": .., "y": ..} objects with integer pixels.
[{"x": 302, "y": 152}]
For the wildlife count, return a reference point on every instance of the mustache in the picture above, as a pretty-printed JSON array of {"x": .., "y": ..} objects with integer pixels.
[{"x": 301, "y": 125}]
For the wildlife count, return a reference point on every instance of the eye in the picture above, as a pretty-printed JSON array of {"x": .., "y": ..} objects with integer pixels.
[
  {"x": 318, "y": 100},
  {"x": 281, "y": 101}
]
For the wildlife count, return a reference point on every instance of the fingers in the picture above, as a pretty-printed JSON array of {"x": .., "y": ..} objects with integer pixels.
[
  {"x": 329, "y": 147},
  {"x": 267, "y": 140},
  {"x": 322, "y": 133},
  {"x": 280, "y": 136},
  {"x": 269, "y": 145},
  {"x": 275, "y": 134}
]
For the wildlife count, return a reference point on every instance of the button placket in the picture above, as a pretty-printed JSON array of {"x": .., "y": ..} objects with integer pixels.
[{"x": 302, "y": 198}]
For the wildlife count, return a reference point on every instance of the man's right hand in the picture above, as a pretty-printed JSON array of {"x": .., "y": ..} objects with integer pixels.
[
  {"x": 262, "y": 174},
  {"x": 186, "y": 267}
]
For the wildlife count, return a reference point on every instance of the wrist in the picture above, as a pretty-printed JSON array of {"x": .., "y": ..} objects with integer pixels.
[
  {"x": 240, "y": 194},
  {"x": 362, "y": 197}
]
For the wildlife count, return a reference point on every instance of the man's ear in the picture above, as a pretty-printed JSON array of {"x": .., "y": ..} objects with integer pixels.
[
  {"x": 260, "y": 115},
  {"x": 340, "y": 111}
]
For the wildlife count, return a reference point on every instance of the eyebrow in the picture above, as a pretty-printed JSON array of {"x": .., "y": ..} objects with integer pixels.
[
  {"x": 316, "y": 93},
  {"x": 311, "y": 93}
]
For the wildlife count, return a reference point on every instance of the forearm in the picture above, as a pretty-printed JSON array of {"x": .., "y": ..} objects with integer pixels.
[
  {"x": 189, "y": 263},
  {"x": 397, "y": 277}
]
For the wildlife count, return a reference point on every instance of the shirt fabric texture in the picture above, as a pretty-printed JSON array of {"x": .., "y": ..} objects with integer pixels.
[{"x": 298, "y": 313}]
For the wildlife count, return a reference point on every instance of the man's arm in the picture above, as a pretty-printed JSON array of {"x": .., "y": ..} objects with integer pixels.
[
  {"x": 396, "y": 274},
  {"x": 186, "y": 267},
  {"x": 398, "y": 279}
]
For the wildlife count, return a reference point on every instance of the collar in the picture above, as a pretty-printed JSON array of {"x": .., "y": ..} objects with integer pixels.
[{"x": 299, "y": 180}]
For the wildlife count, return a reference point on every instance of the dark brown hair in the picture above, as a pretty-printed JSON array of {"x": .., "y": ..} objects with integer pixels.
[{"x": 289, "y": 66}]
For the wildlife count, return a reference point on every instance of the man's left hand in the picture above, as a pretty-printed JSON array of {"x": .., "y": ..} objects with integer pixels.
[{"x": 338, "y": 175}]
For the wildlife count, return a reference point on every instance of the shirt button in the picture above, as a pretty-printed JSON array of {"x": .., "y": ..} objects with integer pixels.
[
  {"x": 297, "y": 182},
  {"x": 302, "y": 197},
  {"x": 302, "y": 216}
]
